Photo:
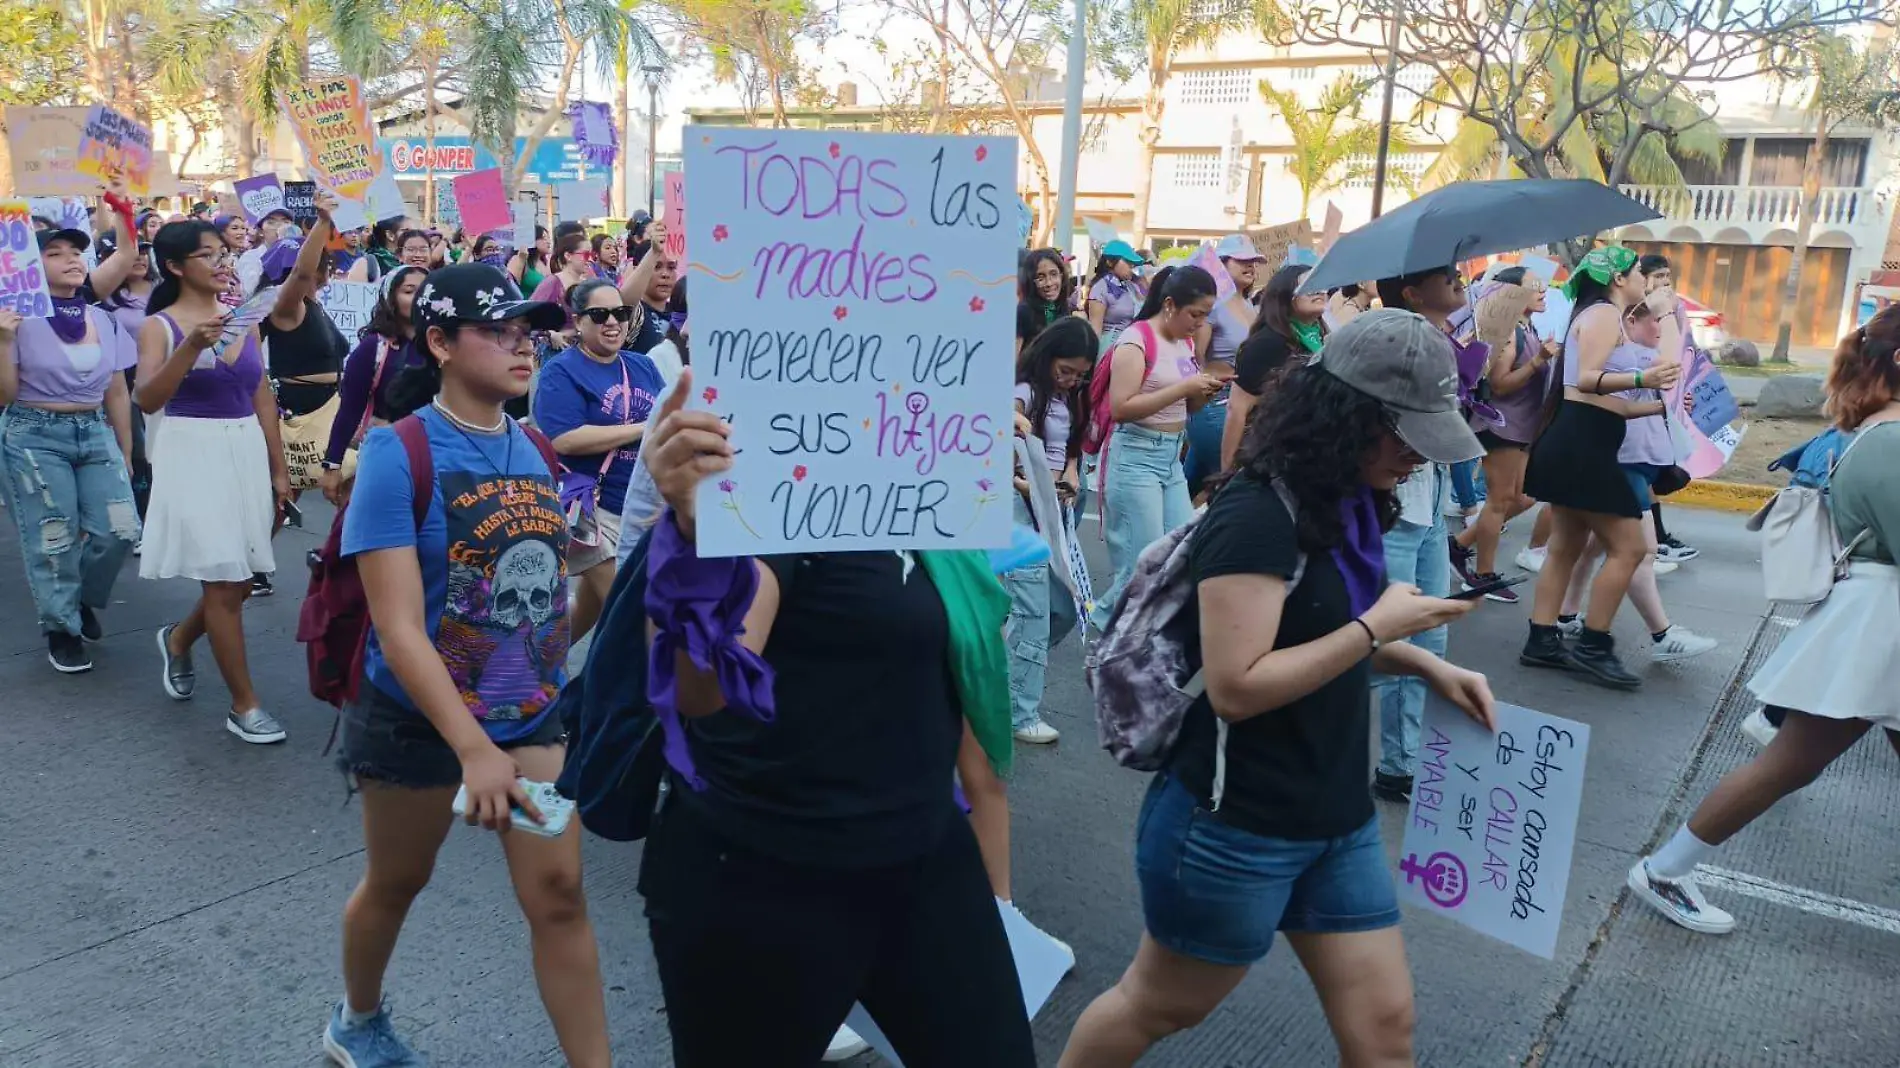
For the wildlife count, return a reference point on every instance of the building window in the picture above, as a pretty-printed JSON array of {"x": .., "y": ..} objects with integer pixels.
[
  {"x": 1228, "y": 85},
  {"x": 1410, "y": 164},
  {"x": 1211, "y": 10},
  {"x": 1782, "y": 161},
  {"x": 1197, "y": 170}
]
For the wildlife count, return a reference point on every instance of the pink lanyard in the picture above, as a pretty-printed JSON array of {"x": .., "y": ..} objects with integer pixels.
[{"x": 626, "y": 409}]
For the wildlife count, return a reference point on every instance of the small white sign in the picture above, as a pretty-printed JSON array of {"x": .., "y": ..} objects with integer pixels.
[
  {"x": 349, "y": 305},
  {"x": 1494, "y": 821}
]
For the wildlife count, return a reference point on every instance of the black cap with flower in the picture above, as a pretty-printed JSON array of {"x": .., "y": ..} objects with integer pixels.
[{"x": 479, "y": 293}]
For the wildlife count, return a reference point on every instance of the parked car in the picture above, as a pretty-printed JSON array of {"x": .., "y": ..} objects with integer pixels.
[{"x": 1707, "y": 329}]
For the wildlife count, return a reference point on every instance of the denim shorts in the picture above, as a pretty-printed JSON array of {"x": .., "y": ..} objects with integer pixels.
[
  {"x": 1217, "y": 893},
  {"x": 1642, "y": 477},
  {"x": 383, "y": 742}
]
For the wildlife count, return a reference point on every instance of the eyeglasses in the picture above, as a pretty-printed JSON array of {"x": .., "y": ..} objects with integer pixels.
[
  {"x": 599, "y": 316},
  {"x": 214, "y": 258},
  {"x": 510, "y": 336}
]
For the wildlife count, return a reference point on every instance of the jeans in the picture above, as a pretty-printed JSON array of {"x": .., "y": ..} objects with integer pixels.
[
  {"x": 1467, "y": 484},
  {"x": 1146, "y": 496},
  {"x": 1417, "y": 556},
  {"x": 72, "y": 499},
  {"x": 1041, "y": 614},
  {"x": 1204, "y": 432}
]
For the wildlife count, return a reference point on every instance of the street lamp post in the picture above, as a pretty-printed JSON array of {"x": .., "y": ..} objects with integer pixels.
[
  {"x": 1385, "y": 108},
  {"x": 653, "y": 72},
  {"x": 1072, "y": 129}
]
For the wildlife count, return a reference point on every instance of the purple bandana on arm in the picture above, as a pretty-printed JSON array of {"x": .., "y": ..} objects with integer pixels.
[
  {"x": 69, "y": 319},
  {"x": 698, "y": 607},
  {"x": 1361, "y": 552}
]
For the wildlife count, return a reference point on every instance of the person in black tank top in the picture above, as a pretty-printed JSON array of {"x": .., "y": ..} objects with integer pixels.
[{"x": 306, "y": 349}]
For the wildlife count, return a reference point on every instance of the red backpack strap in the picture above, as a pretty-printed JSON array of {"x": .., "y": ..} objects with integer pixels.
[
  {"x": 546, "y": 449},
  {"x": 415, "y": 442}
]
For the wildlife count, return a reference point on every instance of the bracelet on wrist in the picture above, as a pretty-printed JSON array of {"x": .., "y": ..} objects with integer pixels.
[
  {"x": 1367, "y": 627},
  {"x": 1639, "y": 380}
]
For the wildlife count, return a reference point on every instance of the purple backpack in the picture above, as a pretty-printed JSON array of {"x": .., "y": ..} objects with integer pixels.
[{"x": 1140, "y": 669}]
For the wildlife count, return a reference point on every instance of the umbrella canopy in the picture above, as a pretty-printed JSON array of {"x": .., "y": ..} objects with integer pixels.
[{"x": 1469, "y": 219}]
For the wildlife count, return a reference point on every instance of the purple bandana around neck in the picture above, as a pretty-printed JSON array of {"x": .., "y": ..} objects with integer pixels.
[
  {"x": 69, "y": 319},
  {"x": 1361, "y": 552}
]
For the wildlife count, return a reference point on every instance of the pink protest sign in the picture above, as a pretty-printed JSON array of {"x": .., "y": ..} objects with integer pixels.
[
  {"x": 482, "y": 201},
  {"x": 675, "y": 217},
  {"x": 22, "y": 277},
  {"x": 113, "y": 146},
  {"x": 1703, "y": 416}
]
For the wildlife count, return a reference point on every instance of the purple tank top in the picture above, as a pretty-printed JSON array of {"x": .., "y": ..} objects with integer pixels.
[
  {"x": 1524, "y": 409},
  {"x": 213, "y": 389}
]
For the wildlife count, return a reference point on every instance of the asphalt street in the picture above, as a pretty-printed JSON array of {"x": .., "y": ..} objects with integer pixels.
[{"x": 170, "y": 896}]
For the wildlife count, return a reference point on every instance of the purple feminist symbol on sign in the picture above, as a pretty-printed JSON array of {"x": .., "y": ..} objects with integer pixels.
[
  {"x": 1442, "y": 878},
  {"x": 594, "y": 134}
]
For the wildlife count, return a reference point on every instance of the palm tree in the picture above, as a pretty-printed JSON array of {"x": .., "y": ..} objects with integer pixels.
[
  {"x": 1163, "y": 29},
  {"x": 1329, "y": 138},
  {"x": 637, "y": 49}
]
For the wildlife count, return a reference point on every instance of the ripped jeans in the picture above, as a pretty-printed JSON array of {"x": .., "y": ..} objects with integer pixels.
[{"x": 67, "y": 487}]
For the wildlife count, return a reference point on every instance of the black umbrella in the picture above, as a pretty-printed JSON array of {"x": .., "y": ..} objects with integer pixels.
[{"x": 1467, "y": 219}]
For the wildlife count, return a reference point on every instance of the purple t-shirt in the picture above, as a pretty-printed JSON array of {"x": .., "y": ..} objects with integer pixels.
[
  {"x": 1645, "y": 440},
  {"x": 55, "y": 372},
  {"x": 213, "y": 389}
]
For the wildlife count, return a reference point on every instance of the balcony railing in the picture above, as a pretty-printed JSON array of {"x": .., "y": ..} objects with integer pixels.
[{"x": 1768, "y": 205}]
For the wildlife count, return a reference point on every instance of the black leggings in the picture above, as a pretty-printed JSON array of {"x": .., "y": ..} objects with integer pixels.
[{"x": 760, "y": 960}]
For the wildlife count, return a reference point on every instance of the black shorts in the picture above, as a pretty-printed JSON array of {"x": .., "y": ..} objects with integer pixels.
[
  {"x": 1574, "y": 465},
  {"x": 384, "y": 742},
  {"x": 1492, "y": 443}
]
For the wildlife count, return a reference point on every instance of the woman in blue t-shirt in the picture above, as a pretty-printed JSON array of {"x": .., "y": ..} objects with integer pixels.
[
  {"x": 467, "y": 651},
  {"x": 593, "y": 400}
]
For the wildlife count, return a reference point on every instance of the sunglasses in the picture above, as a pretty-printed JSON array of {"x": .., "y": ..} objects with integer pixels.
[{"x": 599, "y": 316}]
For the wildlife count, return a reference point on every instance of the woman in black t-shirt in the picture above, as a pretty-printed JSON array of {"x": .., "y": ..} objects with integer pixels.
[
  {"x": 1045, "y": 293},
  {"x": 1287, "y": 331},
  {"x": 1262, "y": 821},
  {"x": 818, "y": 857}
]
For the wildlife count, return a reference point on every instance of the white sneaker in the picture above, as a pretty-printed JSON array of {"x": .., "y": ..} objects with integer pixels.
[
  {"x": 1758, "y": 729},
  {"x": 1664, "y": 567},
  {"x": 844, "y": 1045},
  {"x": 1680, "y": 901},
  {"x": 1680, "y": 643},
  {"x": 1532, "y": 560},
  {"x": 1037, "y": 733}
]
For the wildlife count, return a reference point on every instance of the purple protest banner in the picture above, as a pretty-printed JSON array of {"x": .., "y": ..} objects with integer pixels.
[{"x": 594, "y": 134}]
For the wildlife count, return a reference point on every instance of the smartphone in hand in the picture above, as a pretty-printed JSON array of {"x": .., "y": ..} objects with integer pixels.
[{"x": 1481, "y": 589}]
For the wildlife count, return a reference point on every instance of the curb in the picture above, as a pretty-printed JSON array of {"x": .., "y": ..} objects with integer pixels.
[{"x": 1722, "y": 496}]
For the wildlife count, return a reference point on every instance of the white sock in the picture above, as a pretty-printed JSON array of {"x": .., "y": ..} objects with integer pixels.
[
  {"x": 352, "y": 1018},
  {"x": 1678, "y": 857}
]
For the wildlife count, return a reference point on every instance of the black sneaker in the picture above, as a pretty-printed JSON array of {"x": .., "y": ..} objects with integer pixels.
[
  {"x": 89, "y": 627},
  {"x": 67, "y": 653},
  {"x": 261, "y": 585},
  {"x": 1396, "y": 789},
  {"x": 1595, "y": 656},
  {"x": 1463, "y": 561},
  {"x": 1546, "y": 648}
]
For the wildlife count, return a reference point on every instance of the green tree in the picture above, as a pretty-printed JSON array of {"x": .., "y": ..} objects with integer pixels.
[
  {"x": 1849, "y": 84},
  {"x": 1329, "y": 138},
  {"x": 1159, "y": 31},
  {"x": 753, "y": 44},
  {"x": 44, "y": 59}
]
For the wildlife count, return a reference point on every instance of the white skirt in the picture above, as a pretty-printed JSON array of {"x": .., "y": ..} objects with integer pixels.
[
  {"x": 212, "y": 506},
  {"x": 1842, "y": 660}
]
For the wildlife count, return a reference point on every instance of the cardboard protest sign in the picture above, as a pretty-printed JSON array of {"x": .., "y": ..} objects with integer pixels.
[
  {"x": 855, "y": 322},
  {"x": 331, "y": 118},
  {"x": 260, "y": 195},
  {"x": 1701, "y": 409},
  {"x": 45, "y": 147},
  {"x": 675, "y": 217},
  {"x": 585, "y": 199},
  {"x": 1494, "y": 821},
  {"x": 1273, "y": 242},
  {"x": 22, "y": 277},
  {"x": 165, "y": 181},
  {"x": 481, "y": 201},
  {"x": 1329, "y": 232},
  {"x": 300, "y": 199},
  {"x": 113, "y": 146},
  {"x": 349, "y": 305}
]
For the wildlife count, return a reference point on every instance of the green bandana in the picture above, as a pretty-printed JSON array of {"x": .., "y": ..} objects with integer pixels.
[
  {"x": 977, "y": 606},
  {"x": 1309, "y": 335},
  {"x": 1602, "y": 264}
]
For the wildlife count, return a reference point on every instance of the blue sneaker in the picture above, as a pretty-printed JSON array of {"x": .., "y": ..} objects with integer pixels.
[{"x": 370, "y": 1044}]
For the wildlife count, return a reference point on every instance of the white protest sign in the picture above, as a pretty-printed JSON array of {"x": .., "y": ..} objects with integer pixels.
[
  {"x": 855, "y": 322},
  {"x": 1494, "y": 820},
  {"x": 70, "y": 213},
  {"x": 349, "y": 305},
  {"x": 585, "y": 199},
  {"x": 384, "y": 197},
  {"x": 349, "y": 215},
  {"x": 523, "y": 216},
  {"x": 1041, "y": 962},
  {"x": 242, "y": 320}
]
